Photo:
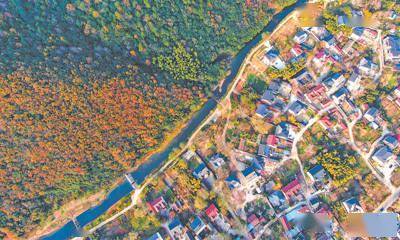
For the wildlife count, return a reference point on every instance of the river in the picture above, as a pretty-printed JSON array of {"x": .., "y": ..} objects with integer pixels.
[{"x": 155, "y": 161}]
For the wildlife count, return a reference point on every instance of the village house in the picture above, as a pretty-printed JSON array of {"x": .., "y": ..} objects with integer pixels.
[
  {"x": 327, "y": 123},
  {"x": 156, "y": 236},
  {"x": 371, "y": 114},
  {"x": 250, "y": 179},
  {"x": 391, "y": 46},
  {"x": 297, "y": 108},
  {"x": 363, "y": 35},
  {"x": 391, "y": 141},
  {"x": 340, "y": 95},
  {"x": 333, "y": 82},
  {"x": 268, "y": 97},
  {"x": 201, "y": 171},
  {"x": 253, "y": 223},
  {"x": 285, "y": 131},
  {"x": 317, "y": 173},
  {"x": 262, "y": 111},
  {"x": 212, "y": 212},
  {"x": 281, "y": 88},
  {"x": 384, "y": 156},
  {"x": 352, "y": 205},
  {"x": 303, "y": 79},
  {"x": 215, "y": 217},
  {"x": 177, "y": 230},
  {"x": 157, "y": 205},
  {"x": 367, "y": 67},
  {"x": 353, "y": 83},
  {"x": 343, "y": 20},
  {"x": 292, "y": 190},
  {"x": 188, "y": 155},
  {"x": 233, "y": 181},
  {"x": 272, "y": 58},
  {"x": 277, "y": 199},
  {"x": 300, "y": 37},
  {"x": 296, "y": 51},
  {"x": 217, "y": 161},
  {"x": 292, "y": 222},
  {"x": 269, "y": 152},
  {"x": 322, "y": 58},
  {"x": 199, "y": 228},
  {"x": 317, "y": 97}
]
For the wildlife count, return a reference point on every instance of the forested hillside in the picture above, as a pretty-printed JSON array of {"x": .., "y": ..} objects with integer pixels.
[{"x": 88, "y": 87}]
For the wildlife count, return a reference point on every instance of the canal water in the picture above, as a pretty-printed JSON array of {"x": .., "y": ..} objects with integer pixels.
[{"x": 155, "y": 161}]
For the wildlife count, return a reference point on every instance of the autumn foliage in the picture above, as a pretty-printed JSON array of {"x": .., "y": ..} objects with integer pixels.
[{"x": 60, "y": 140}]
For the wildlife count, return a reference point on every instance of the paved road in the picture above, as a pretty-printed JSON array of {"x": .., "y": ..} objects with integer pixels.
[
  {"x": 366, "y": 156},
  {"x": 388, "y": 201},
  {"x": 294, "y": 152},
  {"x": 134, "y": 199}
]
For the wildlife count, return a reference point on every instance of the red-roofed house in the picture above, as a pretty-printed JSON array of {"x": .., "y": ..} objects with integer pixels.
[
  {"x": 285, "y": 223},
  {"x": 317, "y": 96},
  {"x": 324, "y": 211},
  {"x": 157, "y": 205},
  {"x": 292, "y": 189},
  {"x": 296, "y": 51},
  {"x": 253, "y": 220},
  {"x": 304, "y": 209},
  {"x": 212, "y": 212},
  {"x": 272, "y": 140},
  {"x": 326, "y": 122}
]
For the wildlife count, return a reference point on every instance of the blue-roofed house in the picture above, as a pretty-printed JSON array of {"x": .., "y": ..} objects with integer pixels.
[
  {"x": 251, "y": 178},
  {"x": 156, "y": 236},
  {"x": 285, "y": 131},
  {"x": 300, "y": 37},
  {"x": 198, "y": 226},
  {"x": 333, "y": 82},
  {"x": 371, "y": 114},
  {"x": 296, "y": 108},
  {"x": 391, "y": 46},
  {"x": 201, "y": 171},
  {"x": 342, "y": 20},
  {"x": 391, "y": 142},
  {"x": 367, "y": 67},
  {"x": 177, "y": 230},
  {"x": 277, "y": 199},
  {"x": 272, "y": 58},
  {"x": 352, "y": 205},
  {"x": 383, "y": 155},
  {"x": 268, "y": 97},
  {"x": 233, "y": 181},
  {"x": 217, "y": 161},
  {"x": 269, "y": 152},
  {"x": 353, "y": 83},
  {"x": 340, "y": 95},
  {"x": 263, "y": 111},
  {"x": 317, "y": 173}
]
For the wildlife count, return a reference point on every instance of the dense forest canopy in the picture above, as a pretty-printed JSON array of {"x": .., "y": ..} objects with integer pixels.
[{"x": 88, "y": 87}]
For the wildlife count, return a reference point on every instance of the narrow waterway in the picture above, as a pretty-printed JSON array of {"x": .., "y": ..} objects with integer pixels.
[{"x": 155, "y": 161}]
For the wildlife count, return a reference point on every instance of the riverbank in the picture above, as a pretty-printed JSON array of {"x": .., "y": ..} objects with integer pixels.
[{"x": 79, "y": 206}]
